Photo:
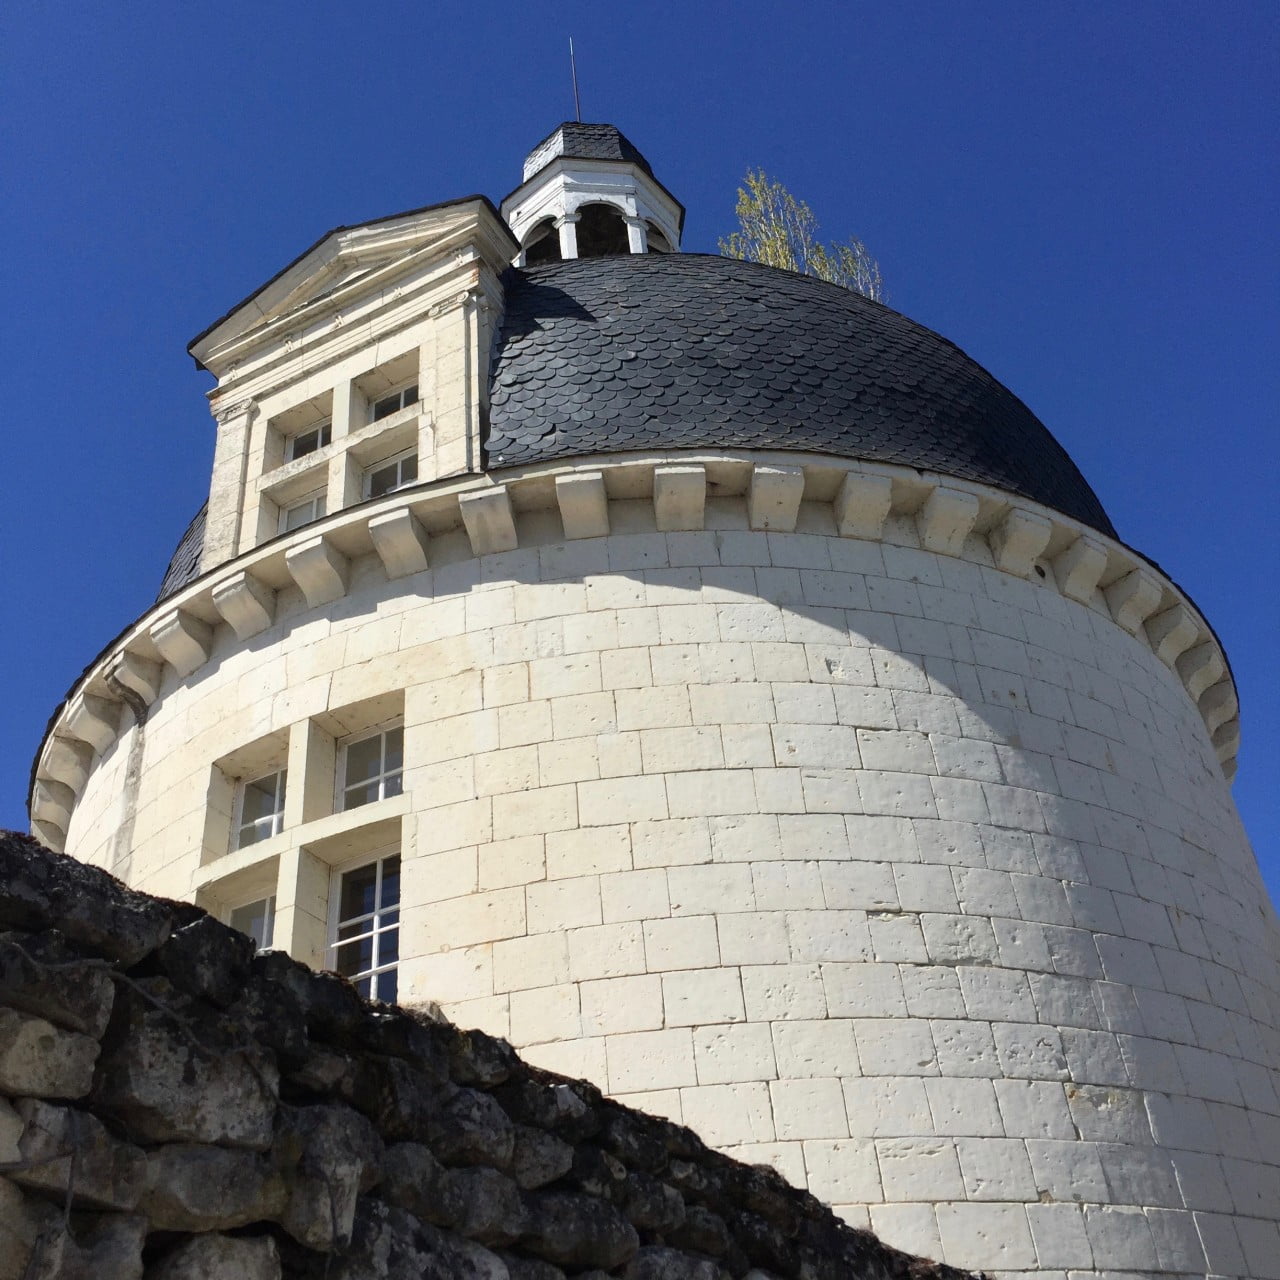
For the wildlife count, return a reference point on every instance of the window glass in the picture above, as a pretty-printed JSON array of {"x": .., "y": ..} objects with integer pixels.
[
  {"x": 397, "y": 400},
  {"x": 257, "y": 919},
  {"x": 366, "y": 936},
  {"x": 373, "y": 768},
  {"x": 393, "y": 475},
  {"x": 261, "y": 809},
  {"x": 306, "y": 442},
  {"x": 303, "y": 512}
]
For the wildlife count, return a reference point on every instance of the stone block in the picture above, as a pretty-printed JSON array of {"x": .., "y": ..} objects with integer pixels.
[
  {"x": 245, "y": 602},
  {"x": 679, "y": 496},
  {"x": 994, "y": 1236},
  {"x": 320, "y": 570},
  {"x": 862, "y": 505},
  {"x": 489, "y": 521},
  {"x": 583, "y": 503},
  {"x": 732, "y": 1054},
  {"x": 138, "y": 675},
  {"x": 1019, "y": 540},
  {"x": 1079, "y": 567},
  {"x": 92, "y": 719},
  {"x": 202, "y": 1188},
  {"x": 1172, "y": 632},
  {"x": 41, "y": 1060},
  {"x": 946, "y": 519},
  {"x": 1133, "y": 598},
  {"x": 651, "y": 1060},
  {"x": 184, "y": 641},
  {"x": 808, "y": 1109},
  {"x": 401, "y": 543},
  {"x": 925, "y": 1169},
  {"x": 220, "y": 1257},
  {"x": 1200, "y": 667},
  {"x": 773, "y": 499}
]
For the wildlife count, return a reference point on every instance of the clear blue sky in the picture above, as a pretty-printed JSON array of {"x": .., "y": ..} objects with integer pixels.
[{"x": 1083, "y": 196}]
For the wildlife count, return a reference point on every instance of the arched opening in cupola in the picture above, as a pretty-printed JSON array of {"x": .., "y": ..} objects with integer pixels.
[
  {"x": 601, "y": 231},
  {"x": 542, "y": 243}
]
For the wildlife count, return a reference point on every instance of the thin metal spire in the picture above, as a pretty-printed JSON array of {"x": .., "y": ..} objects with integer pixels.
[{"x": 573, "y": 66}]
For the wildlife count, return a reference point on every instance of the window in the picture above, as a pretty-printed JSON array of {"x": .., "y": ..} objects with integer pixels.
[
  {"x": 397, "y": 400},
  {"x": 364, "y": 932},
  {"x": 257, "y": 919},
  {"x": 260, "y": 812},
  {"x": 305, "y": 442},
  {"x": 391, "y": 475},
  {"x": 303, "y": 512},
  {"x": 371, "y": 768}
]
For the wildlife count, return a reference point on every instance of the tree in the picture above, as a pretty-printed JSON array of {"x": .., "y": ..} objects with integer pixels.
[{"x": 781, "y": 231}]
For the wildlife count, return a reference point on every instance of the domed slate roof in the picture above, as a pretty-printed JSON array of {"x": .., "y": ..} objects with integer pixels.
[{"x": 670, "y": 351}]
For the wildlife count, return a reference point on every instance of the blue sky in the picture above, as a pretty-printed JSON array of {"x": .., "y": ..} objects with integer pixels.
[{"x": 1083, "y": 196}]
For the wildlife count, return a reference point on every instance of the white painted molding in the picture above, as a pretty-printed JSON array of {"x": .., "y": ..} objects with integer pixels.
[
  {"x": 93, "y": 720},
  {"x": 1079, "y": 568},
  {"x": 489, "y": 521},
  {"x": 679, "y": 497},
  {"x": 184, "y": 641},
  {"x": 773, "y": 499},
  {"x": 1019, "y": 540},
  {"x": 1133, "y": 598},
  {"x": 862, "y": 506},
  {"x": 946, "y": 519},
  {"x": 244, "y": 602},
  {"x": 583, "y": 503},
  {"x": 401, "y": 543},
  {"x": 320, "y": 570}
]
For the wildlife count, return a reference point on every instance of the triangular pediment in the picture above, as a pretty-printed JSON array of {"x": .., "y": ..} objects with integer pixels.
[{"x": 348, "y": 261}]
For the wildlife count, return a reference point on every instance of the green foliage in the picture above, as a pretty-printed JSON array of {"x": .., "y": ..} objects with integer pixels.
[{"x": 781, "y": 231}]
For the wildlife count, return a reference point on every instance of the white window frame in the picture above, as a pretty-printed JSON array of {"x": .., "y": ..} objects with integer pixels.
[
  {"x": 381, "y": 778},
  {"x": 270, "y": 916},
  {"x": 323, "y": 431},
  {"x": 376, "y": 932},
  {"x": 399, "y": 394},
  {"x": 317, "y": 501},
  {"x": 396, "y": 460},
  {"x": 276, "y": 816}
]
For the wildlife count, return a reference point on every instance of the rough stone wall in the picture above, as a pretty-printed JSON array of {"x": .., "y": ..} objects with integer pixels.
[
  {"x": 916, "y": 880},
  {"x": 177, "y": 1108}
]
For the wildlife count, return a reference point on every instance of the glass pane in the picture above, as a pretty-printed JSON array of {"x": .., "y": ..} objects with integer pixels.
[
  {"x": 390, "y": 882},
  {"x": 358, "y": 890},
  {"x": 392, "y": 785},
  {"x": 257, "y": 919},
  {"x": 260, "y": 798},
  {"x": 393, "y": 756},
  {"x": 364, "y": 760},
  {"x": 410, "y": 394},
  {"x": 388, "y": 947},
  {"x": 363, "y": 986},
  {"x": 358, "y": 928},
  {"x": 386, "y": 987},
  {"x": 385, "y": 407},
  {"x": 303, "y": 513},
  {"x": 305, "y": 442},
  {"x": 382, "y": 481},
  {"x": 354, "y": 957},
  {"x": 365, "y": 793},
  {"x": 409, "y": 469}
]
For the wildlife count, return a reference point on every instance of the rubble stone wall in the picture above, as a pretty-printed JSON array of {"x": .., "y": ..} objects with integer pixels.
[{"x": 175, "y": 1107}]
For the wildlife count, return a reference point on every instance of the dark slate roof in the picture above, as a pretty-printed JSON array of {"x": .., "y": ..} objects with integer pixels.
[
  {"x": 586, "y": 142},
  {"x": 185, "y": 564},
  {"x": 663, "y": 351},
  {"x": 684, "y": 351}
]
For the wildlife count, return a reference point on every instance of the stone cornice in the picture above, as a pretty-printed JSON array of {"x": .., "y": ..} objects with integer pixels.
[{"x": 869, "y": 501}]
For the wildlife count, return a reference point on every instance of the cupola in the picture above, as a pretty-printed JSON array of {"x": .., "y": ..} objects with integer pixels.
[{"x": 588, "y": 193}]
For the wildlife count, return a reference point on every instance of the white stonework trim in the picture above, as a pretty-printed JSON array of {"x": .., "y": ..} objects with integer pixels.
[
  {"x": 140, "y": 676},
  {"x": 1079, "y": 567},
  {"x": 1132, "y": 598},
  {"x": 861, "y": 497},
  {"x": 679, "y": 497},
  {"x": 862, "y": 506},
  {"x": 401, "y": 543},
  {"x": 52, "y": 802},
  {"x": 584, "y": 504},
  {"x": 773, "y": 500},
  {"x": 1218, "y": 704},
  {"x": 489, "y": 521},
  {"x": 93, "y": 720},
  {"x": 51, "y": 836},
  {"x": 1200, "y": 667},
  {"x": 184, "y": 641},
  {"x": 1019, "y": 540},
  {"x": 1226, "y": 741},
  {"x": 1172, "y": 633},
  {"x": 320, "y": 570},
  {"x": 67, "y": 762},
  {"x": 946, "y": 519},
  {"x": 246, "y": 603}
]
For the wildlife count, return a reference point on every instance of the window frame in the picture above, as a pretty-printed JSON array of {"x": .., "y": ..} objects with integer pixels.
[
  {"x": 318, "y": 497},
  {"x": 396, "y": 460},
  {"x": 341, "y": 786},
  {"x": 397, "y": 393},
  {"x": 281, "y": 776},
  {"x": 323, "y": 431},
  {"x": 376, "y": 933},
  {"x": 269, "y": 916}
]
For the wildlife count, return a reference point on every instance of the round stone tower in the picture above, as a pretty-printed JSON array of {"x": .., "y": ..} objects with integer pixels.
[{"x": 724, "y": 688}]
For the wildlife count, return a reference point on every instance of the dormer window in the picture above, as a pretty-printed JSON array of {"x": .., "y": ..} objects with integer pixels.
[
  {"x": 305, "y": 442},
  {"x": 385, "y": 406},
  {"x": 391, "y": 475}
]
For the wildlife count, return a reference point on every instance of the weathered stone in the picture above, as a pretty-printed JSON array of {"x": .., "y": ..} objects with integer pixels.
[
  {"x": 27, "y": 1227},
  {"x": 397, "y": 1097},
  {"x": 328, "y": 1155},
  {"x": 477, "y": 1058},
  {"x": 219, "y": 1257},
  {"x": 390, "y": 1244},
  {"x": 484, "y": 1205},
  {"x": 650, "y": 1205},
  {"x": 207, "y": 960},
  {"x": 39, "y": 975},
  {"x": 470, "y": 1127},
  {"x": 168, "y": 1083},
  {"x": 579, "y": 1231},
  {"x": 702, "y": 1232},
  {"x": 633, "y": 1139},
  {"x": 330, "y": 1004},
  {"x": 326, "y": 1072},
  {"x": 110, "y": 1249},
  {"x": 45, "y": 890},
  {"x": 599, "y": 1174},
  {"x": 411, "y": 1179},
  {"x": 569, "y": 1110},
  {"x": 198, "y": 1188},
  {"x": 656, "y": 1262},
  {"x": 108, "y": 1173},
  {"x": 538, "y": 1158},
  {"x": 11, "y": 1125},
  {"x": 399, "y": 1033},
  {"x": 530, "y": 1268},
  {"x": 37, "y": 1058},
  {"x": 271, "y": 1017},
  {"x": 763, "y": 1243}
]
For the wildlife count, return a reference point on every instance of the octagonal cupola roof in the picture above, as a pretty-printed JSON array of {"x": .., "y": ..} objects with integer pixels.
[{"x": 588, "y": 192}]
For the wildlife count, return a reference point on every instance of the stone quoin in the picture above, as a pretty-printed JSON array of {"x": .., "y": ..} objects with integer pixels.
[{"x": 724, "y": 689}]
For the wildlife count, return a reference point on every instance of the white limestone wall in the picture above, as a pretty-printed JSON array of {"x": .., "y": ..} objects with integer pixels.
[{"x": 915, "y": 879}]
